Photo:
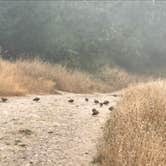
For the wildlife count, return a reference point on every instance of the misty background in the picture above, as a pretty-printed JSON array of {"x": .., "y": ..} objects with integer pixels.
[{"x": 86, "y": 34}]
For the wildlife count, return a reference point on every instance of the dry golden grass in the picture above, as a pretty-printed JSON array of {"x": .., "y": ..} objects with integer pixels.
[
  {"x": 135, "y": 134},
  {"x": 118, "y": 78},
  {"x": 35, "y": 76}
]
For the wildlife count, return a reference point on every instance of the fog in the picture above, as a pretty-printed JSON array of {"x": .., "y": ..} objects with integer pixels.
[{"x": 86, "y": 34}]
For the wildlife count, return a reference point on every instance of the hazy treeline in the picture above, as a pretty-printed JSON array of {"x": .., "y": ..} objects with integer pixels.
[{"x": 86, "y": 34}]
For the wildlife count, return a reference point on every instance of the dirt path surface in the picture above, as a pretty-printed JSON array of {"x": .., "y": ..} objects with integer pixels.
[{"x": 51, "y": 132}]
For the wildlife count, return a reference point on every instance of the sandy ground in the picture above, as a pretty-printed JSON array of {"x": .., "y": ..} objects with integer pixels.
[{"x": 51, "y": 132}]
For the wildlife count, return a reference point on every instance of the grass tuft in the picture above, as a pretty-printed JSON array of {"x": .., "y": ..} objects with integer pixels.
[{"x": 135, "y": 133}]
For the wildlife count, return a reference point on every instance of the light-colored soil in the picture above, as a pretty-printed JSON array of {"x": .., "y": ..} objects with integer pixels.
[{"x": 51, "y": 132}]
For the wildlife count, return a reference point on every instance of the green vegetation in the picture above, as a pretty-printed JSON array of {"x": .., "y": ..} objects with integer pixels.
[{"x": 86, "y": 34}]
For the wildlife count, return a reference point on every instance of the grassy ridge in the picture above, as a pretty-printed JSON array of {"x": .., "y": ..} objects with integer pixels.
[{"x": 35, "y": 76}]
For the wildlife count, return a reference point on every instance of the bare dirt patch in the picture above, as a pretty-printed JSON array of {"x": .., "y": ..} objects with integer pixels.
[{"x": 52, "y": 131}]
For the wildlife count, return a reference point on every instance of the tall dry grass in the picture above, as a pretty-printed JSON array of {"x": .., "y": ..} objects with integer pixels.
[
  {"x": 118, "y": 78},
  {"x": 135, "y": 134},
  {"x": 35, "y": 76}
]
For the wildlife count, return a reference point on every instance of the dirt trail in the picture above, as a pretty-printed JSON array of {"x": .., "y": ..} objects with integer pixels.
[{"x": 51, "y": 132}]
